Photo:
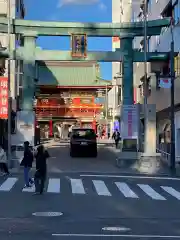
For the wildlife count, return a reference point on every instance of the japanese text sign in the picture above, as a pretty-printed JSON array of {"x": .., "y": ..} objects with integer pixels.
[{"x": 3, "y": 98}]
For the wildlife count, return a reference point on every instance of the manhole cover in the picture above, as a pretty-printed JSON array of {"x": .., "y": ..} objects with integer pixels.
[
  {"x": 47, "y": 214},
  {"x": 116, "y": 229}
]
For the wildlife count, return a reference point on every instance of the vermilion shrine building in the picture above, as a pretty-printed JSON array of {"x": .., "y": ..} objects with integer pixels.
[{"x": 69, "y": 93}]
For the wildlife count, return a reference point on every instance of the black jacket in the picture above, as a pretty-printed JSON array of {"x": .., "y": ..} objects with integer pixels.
[
  {"x": 41, "y": 164},
  {"x": 27, "y": 159},
  {"x": 116, "y": 136}
]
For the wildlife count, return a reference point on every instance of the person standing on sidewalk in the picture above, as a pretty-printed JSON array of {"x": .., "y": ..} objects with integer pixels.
[
  {"x": 27, "y": 164},
  {"x": 117, "y": 137},
  {"x": 3, "y": 162},
  {"x": 41, "y": 169}
]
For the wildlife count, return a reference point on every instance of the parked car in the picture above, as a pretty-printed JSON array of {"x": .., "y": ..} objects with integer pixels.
[{"x": 83, "y": 142}]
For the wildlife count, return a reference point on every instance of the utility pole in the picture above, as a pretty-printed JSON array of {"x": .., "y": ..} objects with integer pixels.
[
  {"x": 106, "y": 110},
  {"x": 146, "y": 140},
  {"x": 172, "y": 71},
  {"x": 9, "y": 80}
]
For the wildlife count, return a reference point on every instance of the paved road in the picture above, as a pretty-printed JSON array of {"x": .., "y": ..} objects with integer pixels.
[
  {"x": 143, "y": 207},
  {"x": 62, "y": 162}
]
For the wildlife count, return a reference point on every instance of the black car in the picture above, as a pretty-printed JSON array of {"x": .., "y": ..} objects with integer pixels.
[{"x": 83, "y": 142}]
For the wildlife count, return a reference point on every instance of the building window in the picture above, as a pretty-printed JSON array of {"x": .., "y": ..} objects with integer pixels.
[
  {"x": 168, "y": 11},
  {"x": 157, "y": 40},
  {"x": 149, "y": 5},
  {"x": 20, "y": 11},
  {"x": 148, "y": 44},
  {"x": 176, "y": 12}
]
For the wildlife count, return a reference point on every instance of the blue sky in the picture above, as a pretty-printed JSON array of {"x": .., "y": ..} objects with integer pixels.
[{"x": 73, "y": 11}]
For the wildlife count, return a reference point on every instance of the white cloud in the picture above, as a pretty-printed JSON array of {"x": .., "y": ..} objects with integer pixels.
[
  {"x": 102, "y": 6},
  {"x": 62, "y": 3}
]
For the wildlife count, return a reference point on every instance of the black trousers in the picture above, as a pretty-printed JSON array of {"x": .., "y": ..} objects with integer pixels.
[
  {"x": 4, "y": 167},
  {"x": 116, "y": 143},
  {"x": 39, "y": 182}
]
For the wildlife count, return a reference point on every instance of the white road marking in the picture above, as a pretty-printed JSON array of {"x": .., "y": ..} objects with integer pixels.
[
  {"x": 101, "y": 188},
  {"x": 77, "y": 186},
  {"x": 30, "y": 189},
  {"x": 113, "y": 235},
  {"x": 129, "y": 176},
  {"x": 8, "y": 184},
  {"x": 171, "y": 191},
  {"x": 125, "y": 190},
  {"x": 53, "y": 185},
  {"x": 151, "y": 192}
]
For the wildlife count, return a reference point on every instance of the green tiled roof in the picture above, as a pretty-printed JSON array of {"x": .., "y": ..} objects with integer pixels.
[{"x": 63, "y": 74}]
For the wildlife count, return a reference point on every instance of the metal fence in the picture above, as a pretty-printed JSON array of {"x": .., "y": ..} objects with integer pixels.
[{"x": 164, "y": 150}]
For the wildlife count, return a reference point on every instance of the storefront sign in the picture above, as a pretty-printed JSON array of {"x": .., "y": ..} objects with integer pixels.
[
  {"x": 80, "y": 94},
  {"x": 165, "y": 82},
  {"x": 129, "y": 123},
  {"x": 79, "y": 45},
  {"x": 3, "y": 97}
]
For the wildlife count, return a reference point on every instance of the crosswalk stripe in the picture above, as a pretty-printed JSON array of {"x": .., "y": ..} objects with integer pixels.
[
  {"x": 125, "y": 190},
  {"x": 30, "y": 189},
  {"x": 171, "y": 191},
  {"x": 53, "y": 185},
  {"x": 77, "y": 186},
  {"x": 151, "y": 192},
  {"x": 8, "y": 184},
  {"x": 101, "y": 188}
]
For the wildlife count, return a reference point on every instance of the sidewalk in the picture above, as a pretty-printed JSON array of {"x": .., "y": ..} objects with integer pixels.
[
  {"x": 150, "y": 166},
  {"x": 105, "y": 141}
]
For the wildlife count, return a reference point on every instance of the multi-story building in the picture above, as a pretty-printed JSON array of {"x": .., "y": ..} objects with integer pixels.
[
  {"x": 14, "y": 8},
  {"x": 157, "y": 9}
]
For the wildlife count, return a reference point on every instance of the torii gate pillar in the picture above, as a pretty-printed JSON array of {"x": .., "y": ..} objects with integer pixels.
[
  {"x": 29, "y": 71},
  {"x": 127, "y": 66},
  {"x": 127, "y": 131}
]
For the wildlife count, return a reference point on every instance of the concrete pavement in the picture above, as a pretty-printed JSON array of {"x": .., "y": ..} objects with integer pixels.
[{"x": 60, "y": 161}]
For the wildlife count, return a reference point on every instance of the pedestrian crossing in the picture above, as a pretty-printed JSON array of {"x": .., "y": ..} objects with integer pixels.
[{"x": 78, "y": 186}]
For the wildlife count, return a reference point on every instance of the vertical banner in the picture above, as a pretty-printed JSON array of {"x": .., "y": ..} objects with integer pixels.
[
  {"x": 25, "y": 127},
  {"x": 50, "y": 128},
  {"x": 115, "y": 43},
  {"x": 3, "y": 98},
  {"x": 135, "y": 95},
  {"x": 129, "y": 123}
]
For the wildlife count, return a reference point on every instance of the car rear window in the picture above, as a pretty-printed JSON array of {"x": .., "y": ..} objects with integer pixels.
[{"x": 88, "y": 133}]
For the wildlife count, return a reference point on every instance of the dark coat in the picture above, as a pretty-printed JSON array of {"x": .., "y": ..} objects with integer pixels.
[
  {"x": 116, "y": 136},
  {"x": 41, "y": 164},
  {"x": 27, "y": 159}
]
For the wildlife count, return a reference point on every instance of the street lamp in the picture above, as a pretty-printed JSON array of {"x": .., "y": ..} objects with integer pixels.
[
  {"x": 173, "y": 162},
  {"x": 145, "y": 12},
  {"x": 9, "y": 80}
]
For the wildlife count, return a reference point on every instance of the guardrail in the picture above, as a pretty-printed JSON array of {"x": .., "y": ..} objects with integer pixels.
[
  {"x": 164, "y": 155},
  {"x": 167, "y": 156}
]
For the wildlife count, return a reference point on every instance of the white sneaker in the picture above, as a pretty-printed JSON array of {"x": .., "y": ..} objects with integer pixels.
[{"x": 27, "y": 186}]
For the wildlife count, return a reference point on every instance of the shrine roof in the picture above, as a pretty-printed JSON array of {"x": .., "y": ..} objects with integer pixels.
[{"x": 70, "y": 74}]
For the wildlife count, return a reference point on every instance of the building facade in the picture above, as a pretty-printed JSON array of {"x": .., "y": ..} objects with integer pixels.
[
  {"x": 17, "y": 10},
  {"x": 14, "y": 8},
  {"x": 68, "y": 94},
  {"x": 157, "y": 94}
]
